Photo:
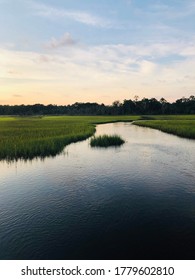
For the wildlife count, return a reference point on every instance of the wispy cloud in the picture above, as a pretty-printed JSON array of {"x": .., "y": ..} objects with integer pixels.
[
  {"x": 109, "y": 69},
  {"x": 104, "y": 59},
  {"x": 76, "y": 15},
  {"x": 65, "y": 41},
  {"x": 17, "y": 95},
  {"x": 173, "y": 12}
]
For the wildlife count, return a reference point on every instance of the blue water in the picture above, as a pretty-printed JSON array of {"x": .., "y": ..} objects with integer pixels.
[{"x": 132, "y": 202}]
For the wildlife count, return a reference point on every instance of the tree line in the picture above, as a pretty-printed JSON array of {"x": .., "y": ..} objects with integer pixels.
[{"x": 145, "y": 106}]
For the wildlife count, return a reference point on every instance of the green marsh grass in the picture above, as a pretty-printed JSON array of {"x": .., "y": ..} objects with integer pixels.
[
  {"x": 31, "y": 137},
  {"x": 169, "y": 117},
  {"x": 106, "y": 141},
  {"x": 180, "y": 127}
]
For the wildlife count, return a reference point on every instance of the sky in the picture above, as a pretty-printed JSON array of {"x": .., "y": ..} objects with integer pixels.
[{"x": 67, "y": 51}]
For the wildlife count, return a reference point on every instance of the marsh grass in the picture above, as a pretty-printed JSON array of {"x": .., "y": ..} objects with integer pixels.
[
  {"x": 31, "y": 137},
  {"x": 168, "y": 117},
  {"x": 183, "y": 128},
  {"x": 106, "y": 141}
]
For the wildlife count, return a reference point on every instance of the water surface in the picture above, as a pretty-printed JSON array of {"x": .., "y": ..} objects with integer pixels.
[{"x": 132, "y": 202}]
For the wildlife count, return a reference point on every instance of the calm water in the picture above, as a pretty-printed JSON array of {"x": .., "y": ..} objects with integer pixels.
[{"x": 132, "y": 202}]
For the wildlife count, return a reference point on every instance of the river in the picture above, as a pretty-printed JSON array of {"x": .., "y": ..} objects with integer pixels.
[{"x": 132, "y": 202}]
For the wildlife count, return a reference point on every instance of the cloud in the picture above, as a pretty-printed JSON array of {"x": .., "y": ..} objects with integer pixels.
[
  {"x": 43, "y": 59},
  {"x": 103, "y": 70},
  {"x": 76, "y": 15},
  {"x": 64, "y": 41},
  {"x": 13, "y": 72},
  {"x": 189, "y": 50},
  {"x": 147, "y": 67},
  {"x": 17, "y": 95},
  {"x": 172, "y": 11}
]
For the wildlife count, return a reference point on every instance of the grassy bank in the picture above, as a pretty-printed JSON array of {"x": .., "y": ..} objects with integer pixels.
[
  {"x": 30, "y": 137},
  {"x": 106, "y": 141},
  {"x": 180, "y": 125},
  {"x": 169, "y": 117}
]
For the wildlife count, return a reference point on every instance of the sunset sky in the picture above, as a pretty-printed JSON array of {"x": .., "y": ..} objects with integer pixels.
[{"x": 66, "y": 51}]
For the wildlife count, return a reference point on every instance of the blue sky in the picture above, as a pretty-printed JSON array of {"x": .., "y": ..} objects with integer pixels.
[{"x": 65, "y": 51}]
